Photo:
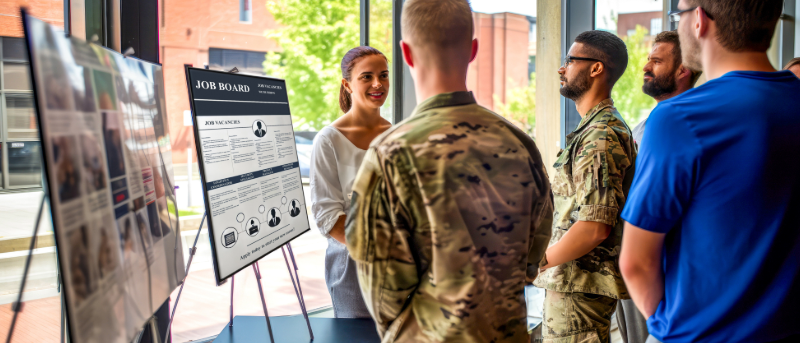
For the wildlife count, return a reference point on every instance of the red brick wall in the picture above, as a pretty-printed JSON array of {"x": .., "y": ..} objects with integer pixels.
[
  {"x": 502, "y": 61},
  {"x": 189, "y": 28},
  {"x": 628, "y": 21},
  {"x": 11, "y": 24}
]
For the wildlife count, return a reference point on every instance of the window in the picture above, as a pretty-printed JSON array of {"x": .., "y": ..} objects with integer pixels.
[
  {"x": 245, "y": 11},
  {"x": 637, "y": 23},
  {"x": 514, "y": 96},
  {"x": 20, "y": 187},
  {"x": 22, "y": 152},
  {"x": 246, "y": 61},
  {"x": 655, "y": 26}
]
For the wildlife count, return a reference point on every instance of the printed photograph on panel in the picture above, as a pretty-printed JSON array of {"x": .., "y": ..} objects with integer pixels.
[
  {"x": 104, "y": 87},
  {"x": 112, "y": 132},
  {"x": 107, "y": 252},
  {"x": 94, "y": 172},
  {"x": 56, "y": 95},
  {"x": 65, "y": 154},
  {"x": 82, "y": 282},
  {"x": 80, "y": 79}
]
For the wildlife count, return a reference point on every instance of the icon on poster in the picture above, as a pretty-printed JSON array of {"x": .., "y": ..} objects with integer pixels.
[
  {"x": 294, "y": 208},
  {"x": 259, "y": 128},
  {"x": 229, "y": 237},
  {"x": 253, "y": 226},
  {"x": 274, "y": 217}
]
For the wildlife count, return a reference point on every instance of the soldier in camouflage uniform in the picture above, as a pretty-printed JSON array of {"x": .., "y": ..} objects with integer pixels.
[
  {"x": 451, "y": 209},
  {"x": 592, "y": 177}
]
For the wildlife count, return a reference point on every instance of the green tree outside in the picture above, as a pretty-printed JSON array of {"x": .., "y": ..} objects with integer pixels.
[
  {"x": 314, "y": 36},
  {"x": 521, "y": 106},
  {"x": 628, "y": 97}
]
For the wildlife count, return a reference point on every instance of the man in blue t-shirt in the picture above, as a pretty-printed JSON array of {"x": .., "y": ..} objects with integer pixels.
[{"x": 711, "y": 250}]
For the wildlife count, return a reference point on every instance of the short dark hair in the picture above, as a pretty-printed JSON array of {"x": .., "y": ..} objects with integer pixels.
[
  {"x": 608, "y": 48},
  {"x": 672, "y": 38},
  {"x": 743, "y": 25}
]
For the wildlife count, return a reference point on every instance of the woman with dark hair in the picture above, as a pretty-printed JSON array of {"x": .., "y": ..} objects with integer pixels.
[{"x": 336, "y": 156}]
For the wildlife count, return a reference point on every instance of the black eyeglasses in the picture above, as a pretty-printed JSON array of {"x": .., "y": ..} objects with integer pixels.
[
  {"x": 675, "y": 16},
  {"x": 569, "y": 59}
]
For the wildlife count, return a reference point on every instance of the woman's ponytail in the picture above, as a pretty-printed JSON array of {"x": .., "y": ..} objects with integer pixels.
[{"x": 345, "y": 102}]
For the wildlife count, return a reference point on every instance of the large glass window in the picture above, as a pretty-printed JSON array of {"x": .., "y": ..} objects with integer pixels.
[
  {"x": 245, "y": 11},
  {"x": 502, "y": 76},
  {"x": 20, "y": 188},
  {"x": 637, "y": 23}
]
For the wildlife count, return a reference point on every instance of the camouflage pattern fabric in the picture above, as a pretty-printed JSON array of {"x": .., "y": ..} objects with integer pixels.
[
  {"x": 451, "y": 214},
  {"x": 592, "y": 178},
  {"x": 577, "y": 317}
]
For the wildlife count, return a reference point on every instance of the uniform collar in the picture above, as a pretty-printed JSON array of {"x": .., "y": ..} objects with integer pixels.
[
  {"x": 445, "y": 100},
  {"x": 590, "y": 116}
]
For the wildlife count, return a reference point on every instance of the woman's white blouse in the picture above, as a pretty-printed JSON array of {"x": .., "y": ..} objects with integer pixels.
[{"x": 334, "y": 164}]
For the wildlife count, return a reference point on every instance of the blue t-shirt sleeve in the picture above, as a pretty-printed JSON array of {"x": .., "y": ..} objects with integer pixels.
[{"x": 665, "y": 172}]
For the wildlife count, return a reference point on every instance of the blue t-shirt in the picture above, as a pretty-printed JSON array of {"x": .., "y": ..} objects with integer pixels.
[{"x": 718, "y": 171}]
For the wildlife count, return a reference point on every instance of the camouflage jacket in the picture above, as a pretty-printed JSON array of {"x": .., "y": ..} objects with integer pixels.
[
  {"x": 451, "y": 214},
  {"x": 591, "y": 181}
]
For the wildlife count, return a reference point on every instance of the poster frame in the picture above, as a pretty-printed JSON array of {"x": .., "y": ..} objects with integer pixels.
[{"x": 201, "y": 167}]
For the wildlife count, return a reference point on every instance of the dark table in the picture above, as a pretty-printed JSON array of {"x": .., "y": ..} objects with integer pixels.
[{"x": 292, "y": 329}]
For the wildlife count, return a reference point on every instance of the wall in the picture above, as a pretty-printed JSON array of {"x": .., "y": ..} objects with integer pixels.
[
  {"x": 502, "y": 61},
  {"x": 628, "y": 21},
  {"x": 548, "y": 98},
  {"x": 11, "y": 23},
  {"x": 188, "y": 29}
]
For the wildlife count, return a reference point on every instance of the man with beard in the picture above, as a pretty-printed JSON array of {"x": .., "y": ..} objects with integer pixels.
[
  {"x": 592, "y": 175},
  {"x": 711, "y": 250},
  {"x": 665, "y": 76}
]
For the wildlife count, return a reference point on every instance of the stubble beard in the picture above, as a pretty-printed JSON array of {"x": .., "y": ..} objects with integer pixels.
[{"x": 690, "y": 51}]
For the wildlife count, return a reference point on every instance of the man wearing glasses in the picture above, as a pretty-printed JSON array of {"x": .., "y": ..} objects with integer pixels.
[
  {"x": 711, "y": 250},
  {"x": 590, "y": 184}
]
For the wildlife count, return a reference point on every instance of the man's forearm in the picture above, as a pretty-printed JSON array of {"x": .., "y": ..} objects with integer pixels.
[
  {"x": 337, "y": 232},
  {"x": 640, "y": 264},
  {"x": 581, "y": 238}
]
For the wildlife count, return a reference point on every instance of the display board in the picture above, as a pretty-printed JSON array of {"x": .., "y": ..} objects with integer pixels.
[
  {"x": 248, "y": 164},
  {"x": 109, "y": 174}
]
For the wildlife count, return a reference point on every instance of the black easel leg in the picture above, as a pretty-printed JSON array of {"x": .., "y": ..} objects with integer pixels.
[
  {"x": 296, "y": 292},
  {"x": 17, "y": 305},
  {"x": 192, "y": 251},
  {"x": 263, "y": 301},
  {"x": 230, "y": 324}
]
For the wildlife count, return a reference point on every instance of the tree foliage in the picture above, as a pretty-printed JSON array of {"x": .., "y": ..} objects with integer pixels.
[
  {"x": 628, "y": 97},
  {"x": 314, "y": 35},
  {"x": 521, "y": 106}
]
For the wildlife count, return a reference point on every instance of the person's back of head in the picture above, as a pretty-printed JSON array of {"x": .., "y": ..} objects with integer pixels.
[
  {"x": 438, "y": 44},
  {"x": 742, "y": 26},
  {"x": 607, "y": 47}
]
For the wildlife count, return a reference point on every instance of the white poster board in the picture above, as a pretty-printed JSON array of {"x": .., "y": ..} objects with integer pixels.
[
  {"x": 108, "y": 166},
  {"x": 248, "y": 164}
]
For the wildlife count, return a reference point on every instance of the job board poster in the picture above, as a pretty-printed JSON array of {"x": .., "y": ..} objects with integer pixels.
[
  {"x": 108, "y": 165},
  {"x": 248, "y": 164}
]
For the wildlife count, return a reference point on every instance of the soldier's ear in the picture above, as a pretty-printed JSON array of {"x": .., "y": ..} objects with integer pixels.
[{"x": 597, "y": 69}]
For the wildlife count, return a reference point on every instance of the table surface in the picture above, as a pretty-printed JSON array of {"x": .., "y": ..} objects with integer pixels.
[{"x": 294, "y": 329}]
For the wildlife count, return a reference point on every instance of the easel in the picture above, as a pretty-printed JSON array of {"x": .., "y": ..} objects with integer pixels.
[{"x": 295, "y": 276}]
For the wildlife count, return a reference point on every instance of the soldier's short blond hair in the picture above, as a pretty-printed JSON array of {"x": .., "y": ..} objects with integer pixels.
[{"x": 436, "y": 26}]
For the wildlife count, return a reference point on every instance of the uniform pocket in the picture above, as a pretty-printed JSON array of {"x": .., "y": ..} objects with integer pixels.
[{"x": 561, "y": 182}]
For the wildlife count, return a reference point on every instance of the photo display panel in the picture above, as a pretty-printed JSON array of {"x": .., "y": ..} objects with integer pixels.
[
  {"x": 249, "y": 167},
  {"x": 109, "y": 174}
]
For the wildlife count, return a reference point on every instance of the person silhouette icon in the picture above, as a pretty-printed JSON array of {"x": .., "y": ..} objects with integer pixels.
[
  {"x": 274, "y": 219},
  {"x": 294, "y": 210},
  {"x": 259, "y": 131}
]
